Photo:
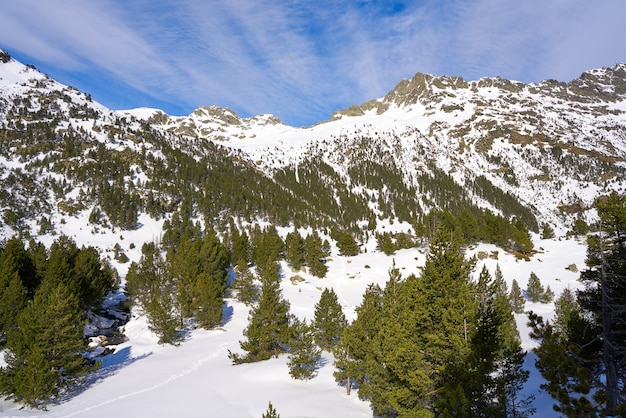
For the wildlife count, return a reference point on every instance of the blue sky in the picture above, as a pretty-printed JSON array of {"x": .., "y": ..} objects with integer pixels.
[{"x": 301, "y": 59}]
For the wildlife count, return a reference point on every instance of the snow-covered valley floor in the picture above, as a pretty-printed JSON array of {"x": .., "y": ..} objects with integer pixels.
[{"x": 196, "y": 378}]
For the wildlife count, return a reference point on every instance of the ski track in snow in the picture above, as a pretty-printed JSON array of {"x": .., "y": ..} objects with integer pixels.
[{"x": 220, "y": 348}]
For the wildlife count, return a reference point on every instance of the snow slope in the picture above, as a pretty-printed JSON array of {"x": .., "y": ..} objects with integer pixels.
[{"x": 196, "y": 378}]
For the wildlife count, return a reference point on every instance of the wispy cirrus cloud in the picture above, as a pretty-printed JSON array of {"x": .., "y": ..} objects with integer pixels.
[{"x": 298, "y": 59}]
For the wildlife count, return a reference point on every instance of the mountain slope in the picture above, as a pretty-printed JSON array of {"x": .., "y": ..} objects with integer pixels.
[{"x": 539, "y": 153}]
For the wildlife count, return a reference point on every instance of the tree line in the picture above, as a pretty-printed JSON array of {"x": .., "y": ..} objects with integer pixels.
[{"x": 44, "y": 297}]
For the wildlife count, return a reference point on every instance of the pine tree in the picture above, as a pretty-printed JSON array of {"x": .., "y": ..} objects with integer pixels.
[
  {"x": 315, "y": 255},
  {"x": 271, "y": 412},
  {"x": 153, "y": 288},
  {"x": 240, "y": 249},
  {"x": 546, "y": 231},
  {"x": 354, "y": 354},
  {"x": 209, "y": 288},
  {"x": 565, "y": 308},
  {"x": 12, "y": 301},
  {"x": 330, "y": 321},
  {"x": 44, "y": 351},
  {"x": 247, "y": 290},
  {"x": 268, "y": 329},
  {"x": 80, "y": 269},
  {"x": 346, "y": 244},
  {"x": 295, "y": 250},
  {"x": 385, "y": 243},
  {"x": 548, "y": 295},
  {"x": 15, "y": 259},
  {"x": 534, "y": 289},
  {"x": 583, "y": 358},
  {"x": 494, "y": 377},
  {"x": 516, "y": 298},
  {"x": 303, "y": 353}
]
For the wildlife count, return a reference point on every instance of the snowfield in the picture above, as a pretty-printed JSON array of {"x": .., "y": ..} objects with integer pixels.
[{"x": 196, "y": 378}]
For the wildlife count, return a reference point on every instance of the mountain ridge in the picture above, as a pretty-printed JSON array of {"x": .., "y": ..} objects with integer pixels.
[{"x": 548, "y": 145}]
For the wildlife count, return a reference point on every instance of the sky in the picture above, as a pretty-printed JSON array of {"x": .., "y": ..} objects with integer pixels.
[{"x": 301, "y": 60}]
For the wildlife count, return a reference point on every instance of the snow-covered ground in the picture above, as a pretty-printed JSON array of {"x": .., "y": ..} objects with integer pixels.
[{"x": 196, "y": 378}]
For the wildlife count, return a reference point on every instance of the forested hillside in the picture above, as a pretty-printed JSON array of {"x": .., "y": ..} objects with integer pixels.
[{"x": 188, "y": 212}]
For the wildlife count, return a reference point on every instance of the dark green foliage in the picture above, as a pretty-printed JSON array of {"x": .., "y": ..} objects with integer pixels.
[
  {"x": 492, "y": 377},
  {"x": 401, "y": 345},
  {"x": 271, "y": 412},
  {"x": 569, "y": 381},
  {"x": 385, "y": 243},
  {"x": 506, "y": 202},
  {"x": 240, "y": 247},
  {"x": 583, "y": 356},
  {"x": 516, "y": 298},
  {"x": 330, "y": 321},
  {"x": 247, "y": 290},
  {"x": 347, "y": 244},
  {"x": 12, "y": 301},
  {"x": 565, "y": 308},
  {"x": 546, "y": 231},
  {"x": 15, "y": 259},
  {"x": 152, "y": 287},
  {"x": 437, "y": 344},
  {"x": 267, "y": 246},
  {"x": 580, "y": 227},
  {"x": 303, "y": 353},
  {"x": 534, "y": 289},
  {"x": 295, "y": 253},
  {"x": 80, "y": 269},
  {"x": 315, "y": 255},
  {"x": 548, "y": 295},
  {"x": 475, "y": 224},
  {"x": 44, "y": 351},
  {"x": 268, "y": 331},
  {"x": 356, "y": 350}
]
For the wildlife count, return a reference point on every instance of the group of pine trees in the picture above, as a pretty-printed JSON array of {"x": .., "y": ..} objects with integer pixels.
[
  {"x": 582, "y": 353},
  {"x": 273, "y": 330},
  {"x": 188, "y": 283},
  {"x": 437, "y": 344},
  {"x": 44, "y": 295}
]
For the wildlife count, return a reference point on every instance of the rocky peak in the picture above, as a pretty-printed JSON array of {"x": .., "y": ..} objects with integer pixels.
[
  {"x": 4, "y": 56},
  {"x": 223, "y": 114}
]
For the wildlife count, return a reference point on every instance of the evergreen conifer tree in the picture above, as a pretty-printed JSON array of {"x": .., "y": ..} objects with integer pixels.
[
  {"x": 565, "y": 308},
  {"x": 209, "y": 288},
  {"x": 330, "y": 321},
  {"x": 44, "y": 351},
  {"x": 295, "y": 250},
  {"x": 12, "y": 301},
  {"x": 15, "y": 259},
  {"x": 583, "y": 357},
  {"x": 516, "y": 298},
  {"x": 534, "y": 289},
  {"x": 271, "y": 412},
  {"x": 546, "y": 231},
  {"x": 268, "y": 330},
  {"x": 303, "y": 352},
  {"x": 347, "y": 244},
  {"x": 315, "y": 255},
  {"x": 548, "y": 295},
  {"x": 153, "y": 288},
  {"x": 247, "y": 290},
  {"x": 354, "y": 353}
]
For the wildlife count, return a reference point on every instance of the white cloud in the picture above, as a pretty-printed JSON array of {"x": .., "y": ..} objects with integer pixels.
[{"x": 301, "y": 60}]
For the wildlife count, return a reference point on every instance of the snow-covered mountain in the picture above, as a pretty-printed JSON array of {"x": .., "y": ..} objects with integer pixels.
[
  {"x": 113, "y": 178},
  {"x": 553, "y": 146}
]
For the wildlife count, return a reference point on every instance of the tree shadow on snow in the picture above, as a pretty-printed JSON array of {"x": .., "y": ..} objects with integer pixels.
[
  {"x": 110, "y": 365},
  {"x": 227, "y": 314}
]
